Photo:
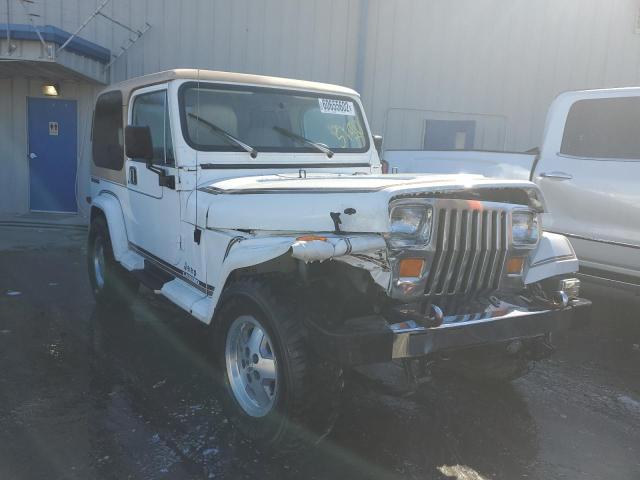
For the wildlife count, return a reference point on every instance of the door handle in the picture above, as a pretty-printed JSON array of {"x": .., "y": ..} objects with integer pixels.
[
  {"x": 33, "y": 156},
  {"x": 557, "y": 175},
  {"x": 133, "y": 176}
]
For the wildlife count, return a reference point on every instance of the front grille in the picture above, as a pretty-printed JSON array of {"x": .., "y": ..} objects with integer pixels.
[{"x": 470, "y": 252}]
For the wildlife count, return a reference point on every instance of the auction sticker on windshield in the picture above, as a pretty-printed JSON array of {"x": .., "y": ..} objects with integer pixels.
[{"x": 337, "y": 107}]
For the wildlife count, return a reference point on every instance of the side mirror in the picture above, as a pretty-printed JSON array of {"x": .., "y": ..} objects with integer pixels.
[
  {"x": 377, "y": 142},
  {"x": 138, "y": 143}
]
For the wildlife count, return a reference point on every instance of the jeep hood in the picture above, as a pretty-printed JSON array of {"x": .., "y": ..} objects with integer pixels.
[{"x": 295, "y": 204}]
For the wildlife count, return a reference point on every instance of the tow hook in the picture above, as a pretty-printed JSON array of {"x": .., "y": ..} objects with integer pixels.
[
  {"x": 561, "y": 299},
  {"x": 436, "y": 316}
]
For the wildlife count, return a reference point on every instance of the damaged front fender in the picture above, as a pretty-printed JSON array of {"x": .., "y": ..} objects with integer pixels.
[{"x": 368, "y": 252}]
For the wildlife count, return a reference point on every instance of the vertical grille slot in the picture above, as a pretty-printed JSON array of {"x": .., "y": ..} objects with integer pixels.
[{"x": 471, "y": 249}]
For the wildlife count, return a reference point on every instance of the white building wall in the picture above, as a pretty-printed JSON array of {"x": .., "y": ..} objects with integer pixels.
[
  {"x": 500, "y": 61},
  {"x": 311, "y": 39}
]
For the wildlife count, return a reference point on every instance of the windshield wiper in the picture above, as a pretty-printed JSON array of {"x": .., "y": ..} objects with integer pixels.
[
  {"x": 318, "y": 146},
  {"x": 236, "y": 141}
]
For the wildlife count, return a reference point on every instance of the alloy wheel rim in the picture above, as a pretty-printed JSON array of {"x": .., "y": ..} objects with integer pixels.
[{"x": 251, "y": 366}]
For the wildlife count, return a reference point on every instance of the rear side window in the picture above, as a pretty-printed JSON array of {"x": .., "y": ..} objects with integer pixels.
[
  {"x": 108, "y": 144},
  {"x": 151, "y": 110},
  {"x": 603, "y": 128}
]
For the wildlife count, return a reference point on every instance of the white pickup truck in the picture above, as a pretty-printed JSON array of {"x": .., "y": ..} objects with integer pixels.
[{"x": 588, "y": 169}]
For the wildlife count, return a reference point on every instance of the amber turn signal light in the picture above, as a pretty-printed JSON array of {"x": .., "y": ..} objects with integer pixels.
[
  {"x": 411, "y": 267},
  {"x": 515, "y": 265},
  {"x": 311, "y": 238}
]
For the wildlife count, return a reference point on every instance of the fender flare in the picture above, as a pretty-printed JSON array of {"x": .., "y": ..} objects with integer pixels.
[
  {"x": 554, "y": 256},
  {"x": 110, "y": 206},
  {"x": 247, "y": 252}
]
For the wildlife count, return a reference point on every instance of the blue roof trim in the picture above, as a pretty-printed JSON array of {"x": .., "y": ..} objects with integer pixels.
[{"x": 58, "y": 36}]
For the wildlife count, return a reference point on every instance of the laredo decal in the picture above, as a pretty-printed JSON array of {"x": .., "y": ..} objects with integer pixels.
[{"x": 189, "y": 271}]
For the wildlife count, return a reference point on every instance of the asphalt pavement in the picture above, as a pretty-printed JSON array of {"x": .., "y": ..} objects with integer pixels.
[{"x": 90, "y": 393}]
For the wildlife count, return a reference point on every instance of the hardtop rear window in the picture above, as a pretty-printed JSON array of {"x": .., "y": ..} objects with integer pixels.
[
  {"x": 258, "y": 116},
  {"x": 107, "y": 134},
  {"x": 606, "y": 128}
]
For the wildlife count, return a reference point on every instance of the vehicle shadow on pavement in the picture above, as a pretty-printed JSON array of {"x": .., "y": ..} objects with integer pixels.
[{"x": 155, "y": 412}]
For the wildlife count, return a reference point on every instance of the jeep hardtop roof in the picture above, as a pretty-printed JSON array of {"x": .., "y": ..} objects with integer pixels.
[{"x": 128, "y": 86}]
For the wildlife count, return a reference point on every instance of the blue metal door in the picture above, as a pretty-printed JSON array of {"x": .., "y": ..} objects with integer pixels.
[{"x": 52, "y": 127}]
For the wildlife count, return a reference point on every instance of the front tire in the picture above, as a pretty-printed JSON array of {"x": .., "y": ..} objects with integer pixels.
[
  {"x": 110, "y": 283},
  {"x": 276, "y": 393}
]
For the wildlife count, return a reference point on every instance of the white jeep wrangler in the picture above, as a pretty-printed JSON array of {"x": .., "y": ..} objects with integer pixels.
[{"x": 258, "y": 206}]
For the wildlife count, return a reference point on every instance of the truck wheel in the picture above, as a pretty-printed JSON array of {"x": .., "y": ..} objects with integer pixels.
[
  {"x": 110, "y": 283},
  {"x": 274, "y": 392}
]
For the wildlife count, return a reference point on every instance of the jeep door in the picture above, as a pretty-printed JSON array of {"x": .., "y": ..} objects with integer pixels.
[
  {"x": 153, "y": 224},
  {"x": 591, "y": 181}
]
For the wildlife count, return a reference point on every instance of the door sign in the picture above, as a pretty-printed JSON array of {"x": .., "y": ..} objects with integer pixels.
[{"x": 53, "y": 128}]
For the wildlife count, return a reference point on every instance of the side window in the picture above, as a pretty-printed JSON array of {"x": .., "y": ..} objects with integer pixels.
[
  {"x": 151, "y": 110},
  {"x": 107, "y": 140},
  {"x": 603, "y": 128}
]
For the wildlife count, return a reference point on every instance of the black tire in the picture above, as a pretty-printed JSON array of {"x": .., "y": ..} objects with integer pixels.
[
  {"x": 307, "y": 400},
  {"x": 115, "y": 286}
]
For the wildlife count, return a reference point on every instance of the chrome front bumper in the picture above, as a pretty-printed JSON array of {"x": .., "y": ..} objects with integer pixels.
[
  {"x": 494, "y": 327},
  {"x": 372, "y": 339}
]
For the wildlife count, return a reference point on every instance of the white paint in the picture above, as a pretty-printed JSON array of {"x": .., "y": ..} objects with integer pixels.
[
  {"x": 554, "y": 256},
  {"x": 155, "y": 210},
  {"x": 490, "y": 164},
  {"x": 110, "y": 205},
  {"x": 249, "y": 218},
  {"x": 318, "y": 250},
  {"x": 182, "y": 294}
]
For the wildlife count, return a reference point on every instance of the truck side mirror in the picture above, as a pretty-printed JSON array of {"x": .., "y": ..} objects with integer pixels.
[
  {"x": 377, "y": 142},
  {"x": 137, "y": 141}
]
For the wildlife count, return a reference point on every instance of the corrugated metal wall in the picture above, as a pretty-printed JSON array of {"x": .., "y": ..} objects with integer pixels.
[
  {"x": 504, "y": 60},
  {"x": 497, "y": 62},
  {"x": 310, "y": 39}
]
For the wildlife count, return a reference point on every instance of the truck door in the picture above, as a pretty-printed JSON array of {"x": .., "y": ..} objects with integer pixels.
[
  {"x": 590, "y": 177},
  {"x": 153, "y": 225}
]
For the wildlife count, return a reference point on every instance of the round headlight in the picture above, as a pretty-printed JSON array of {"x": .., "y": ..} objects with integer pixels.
[
  {"x": 410, "y": 225},
  {"x": 525, "y": 228}
]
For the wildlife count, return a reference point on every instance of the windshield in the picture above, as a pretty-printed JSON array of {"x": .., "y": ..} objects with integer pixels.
[{"x": 270, "y": 120}]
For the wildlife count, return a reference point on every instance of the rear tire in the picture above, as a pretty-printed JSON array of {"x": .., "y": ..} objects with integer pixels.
[
  {"x": 276, "y": 392},
  {"x": 111, "y": 284}
]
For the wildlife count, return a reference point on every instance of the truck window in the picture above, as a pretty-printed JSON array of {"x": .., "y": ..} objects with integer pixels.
[
  {"x": 151, "y": 110},
  {"x": 603, "y": 128},
  {"x": 107, "y": 139},
  {"x": 258, "y": 116}
]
